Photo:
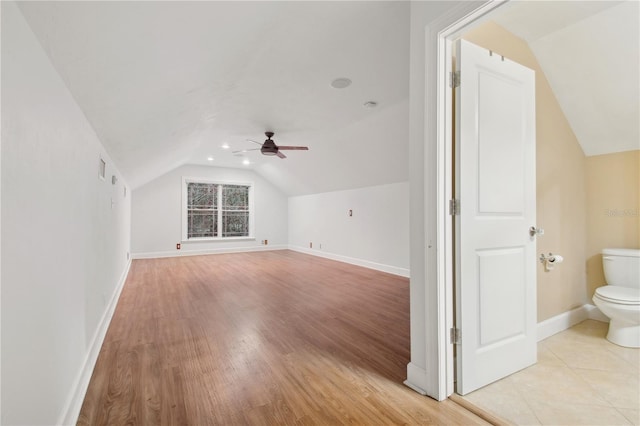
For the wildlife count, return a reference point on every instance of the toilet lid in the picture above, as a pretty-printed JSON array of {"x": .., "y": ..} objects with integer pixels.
[{"x": 623, "y": 295}]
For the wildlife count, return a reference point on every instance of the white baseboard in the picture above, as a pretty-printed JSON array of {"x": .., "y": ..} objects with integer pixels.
[
  {"x": 403, "y": 272},
  {"x": 595, "y": 314},
  {"x": 416, "y": 378},
  {"x": 566, "y": 320},
  {"x": 183, "y": 252},
  {"x": 78, "y": 391}
]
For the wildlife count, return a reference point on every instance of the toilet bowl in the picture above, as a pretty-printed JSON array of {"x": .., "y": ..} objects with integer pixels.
[{"x": 619, "y": 299}]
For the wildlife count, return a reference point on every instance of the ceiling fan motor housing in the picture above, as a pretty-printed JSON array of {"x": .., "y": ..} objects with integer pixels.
[{"x": 269, "y": 148}]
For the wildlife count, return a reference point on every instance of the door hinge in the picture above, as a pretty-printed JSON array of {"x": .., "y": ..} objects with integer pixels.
[
  {"x": 454, "y": 207},
  {"x": 455, "y": 336},
  {"x": 454, "y": 79}
]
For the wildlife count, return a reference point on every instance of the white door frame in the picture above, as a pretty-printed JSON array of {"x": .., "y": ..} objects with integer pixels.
[
  {"x": 430, "y": 371},
  {"x": 445, "y": 122}
]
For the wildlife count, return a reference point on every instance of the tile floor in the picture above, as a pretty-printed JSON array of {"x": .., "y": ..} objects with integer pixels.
[{"x": 580, "y": 379}]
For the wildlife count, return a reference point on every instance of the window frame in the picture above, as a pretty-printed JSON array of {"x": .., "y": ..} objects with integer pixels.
[{"x": 185, "y": 215}]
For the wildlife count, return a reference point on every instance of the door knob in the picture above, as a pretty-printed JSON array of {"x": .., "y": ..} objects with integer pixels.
[{"x": 533, "y": 231}]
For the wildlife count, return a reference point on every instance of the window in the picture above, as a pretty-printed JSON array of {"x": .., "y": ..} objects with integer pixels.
[
  {"x": 202, "y": 210},
  {"x": 235, "y": 211},
  {"x": 215, "y": 210}
]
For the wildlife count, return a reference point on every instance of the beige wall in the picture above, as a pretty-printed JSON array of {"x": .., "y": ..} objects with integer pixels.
[
  {"x": 613, "y": 208},
  {"x": 561, "y": 183}
]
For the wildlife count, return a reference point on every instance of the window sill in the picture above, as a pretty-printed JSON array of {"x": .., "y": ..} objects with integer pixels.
[{"x": 216, "y": 239}]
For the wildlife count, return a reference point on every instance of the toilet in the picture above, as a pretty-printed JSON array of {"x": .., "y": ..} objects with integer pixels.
[{"x": 619, "y": 299}]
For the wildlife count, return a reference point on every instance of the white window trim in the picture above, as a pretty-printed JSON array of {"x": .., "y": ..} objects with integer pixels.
[{"x": 187, "y": 180}]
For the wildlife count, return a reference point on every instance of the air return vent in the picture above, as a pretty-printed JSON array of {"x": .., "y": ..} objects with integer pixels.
[{"x": 102, "y": 168}]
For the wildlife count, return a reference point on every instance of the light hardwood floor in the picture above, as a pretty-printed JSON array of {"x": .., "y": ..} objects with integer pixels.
[{"x": 273, "y": 337}]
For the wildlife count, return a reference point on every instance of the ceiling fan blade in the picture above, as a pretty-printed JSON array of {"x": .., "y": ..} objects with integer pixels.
[
  {"x": 298, "y": 148},
  {"x": 242, "y": 151},
  {"x": 281, "y": 155},
  {"x": 245, "y": 150},
  {"x": 251, "y": 140}
]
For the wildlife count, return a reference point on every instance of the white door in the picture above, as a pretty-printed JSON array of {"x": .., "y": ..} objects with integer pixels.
[{"x": 496, "y": 189}]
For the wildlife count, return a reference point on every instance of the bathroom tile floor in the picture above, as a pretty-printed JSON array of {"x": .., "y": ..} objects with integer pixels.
[{"x": 580, "y": 379}]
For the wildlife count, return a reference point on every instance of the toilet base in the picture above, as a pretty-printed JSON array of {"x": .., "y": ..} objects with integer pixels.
[{"x": 624, "y": 334}]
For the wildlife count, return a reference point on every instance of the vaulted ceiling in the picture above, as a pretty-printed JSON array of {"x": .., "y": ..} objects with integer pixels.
[
  {"x": 590, "y": 54},
  {"x": 169, "y": 83}
]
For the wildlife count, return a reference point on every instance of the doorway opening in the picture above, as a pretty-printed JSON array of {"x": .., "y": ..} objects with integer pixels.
[{"x": 471, "y": 24}]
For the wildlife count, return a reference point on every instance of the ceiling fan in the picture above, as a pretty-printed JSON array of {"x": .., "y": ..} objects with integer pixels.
[{"x": 269, "y": 147}]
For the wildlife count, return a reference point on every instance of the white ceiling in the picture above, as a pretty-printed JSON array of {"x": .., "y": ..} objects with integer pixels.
[
  {"x": 590, "y": 54},
  {"x": 167, "y": 83}
]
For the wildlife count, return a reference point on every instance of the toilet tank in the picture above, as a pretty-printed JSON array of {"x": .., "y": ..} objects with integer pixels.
[{"x": 621, "y": 267}]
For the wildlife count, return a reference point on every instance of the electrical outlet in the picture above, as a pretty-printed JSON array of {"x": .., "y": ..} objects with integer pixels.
[{"x": 178, "y": 246}]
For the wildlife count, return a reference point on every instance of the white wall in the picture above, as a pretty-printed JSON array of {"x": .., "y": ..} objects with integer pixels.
[
  {"x": 376, "y": 236},
  {"x": 64, "y": 246},
  {"x": 0, "y": 214},
  {"x": 157, "y": 214}
]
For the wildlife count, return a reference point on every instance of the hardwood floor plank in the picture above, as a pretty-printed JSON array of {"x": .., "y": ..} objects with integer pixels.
[{"x": 259, "y": 338}]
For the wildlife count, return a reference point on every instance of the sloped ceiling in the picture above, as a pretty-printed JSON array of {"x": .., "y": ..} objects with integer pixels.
[
  {"x": 590, "y": 54},
  {"x": 168, "y": 83}
]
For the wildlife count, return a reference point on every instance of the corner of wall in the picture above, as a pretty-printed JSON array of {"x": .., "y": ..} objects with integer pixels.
[{"x": 613, "y": 208}]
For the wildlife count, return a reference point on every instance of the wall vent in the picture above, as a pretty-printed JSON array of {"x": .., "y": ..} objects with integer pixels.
[{"x": 102, "y": 168}]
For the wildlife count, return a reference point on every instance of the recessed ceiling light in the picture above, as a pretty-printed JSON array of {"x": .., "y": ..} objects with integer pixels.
[
  {"x": 340, "y": 83},
  {"x": 225, "y": 146},
  {"x": 370, "y": 104},
  {"x": 209, "y": 158},
  {"x": 246, "y": 162}
]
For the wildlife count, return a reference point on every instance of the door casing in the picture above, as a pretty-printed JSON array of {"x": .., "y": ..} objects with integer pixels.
[{"x": 431, "y": 372}]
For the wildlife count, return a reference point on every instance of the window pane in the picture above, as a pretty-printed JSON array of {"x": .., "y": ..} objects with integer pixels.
[
  {"x": 202, "y": 195},
  {"x": 204, "y": 204},
  {"x": 202, "y": 223},
  {"x": 235, "y": 224},
  {"x": 235, "y": 197}
]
